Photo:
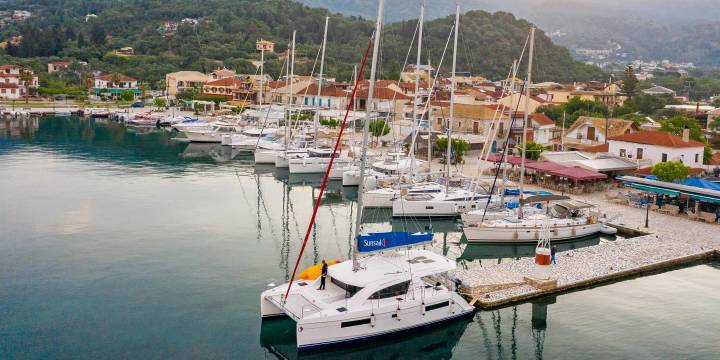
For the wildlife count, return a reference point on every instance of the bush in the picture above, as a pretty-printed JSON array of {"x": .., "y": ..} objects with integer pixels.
[
  {"x": 670, "y": 171},
  {"x": 459, "y": 147}
]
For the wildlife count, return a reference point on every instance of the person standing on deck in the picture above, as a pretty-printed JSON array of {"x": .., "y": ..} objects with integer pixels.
[
  {"x": 553, "y": 250},
  {"x": 323, "y": 275}
]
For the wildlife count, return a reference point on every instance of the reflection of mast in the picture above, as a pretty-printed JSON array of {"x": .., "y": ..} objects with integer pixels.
[
  {"x": 285, "y": 245},
  {"x": 513, "y": 342},
  {"x": 498, "y": 333},
  {"x": 539, "y": 323}
]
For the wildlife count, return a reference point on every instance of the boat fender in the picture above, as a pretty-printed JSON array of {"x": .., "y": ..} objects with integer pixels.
[
  {"x": 452, "y": 306},
  {"x": 574, "y": 232},
  {"x": 372, "y": 320},
  {"x": 515, "y": 235},
  {"x": 422, "y": 309}
]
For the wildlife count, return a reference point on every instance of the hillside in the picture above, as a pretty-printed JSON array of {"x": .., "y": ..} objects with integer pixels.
[
  {"x": 689, "y": 28},
  {"x": 226, "y": 32}
]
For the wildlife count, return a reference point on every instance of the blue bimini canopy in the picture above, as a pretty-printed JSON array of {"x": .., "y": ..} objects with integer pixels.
[{"x": 388, "y": 240}]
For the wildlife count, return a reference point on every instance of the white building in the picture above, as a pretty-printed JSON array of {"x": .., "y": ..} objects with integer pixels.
[
  {"x": 542, "y": 128},
  {"x": 648, "y": 148},
  {"x": 12, "y": 86}
]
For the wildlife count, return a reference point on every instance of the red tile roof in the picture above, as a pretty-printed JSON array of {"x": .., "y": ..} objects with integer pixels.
[
  {"x": 8, "y": 86},
  {"x": 121, "y": 77},
  {"x": 542, "y": 119},
  {"x": 312, "y": 89},
  {"x": 4, "y": 67},
  {"x": 411, "y": 85},
  {"x": 61, "y": 62},
  {"x": 597, "y": 148},
  {"x": 231, "y": 81},
  {"x": 659, "y": 138},
  {"x": 382, "y": 93}
]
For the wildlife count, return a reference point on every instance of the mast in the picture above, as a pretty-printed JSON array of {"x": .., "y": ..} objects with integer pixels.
[
  {"x": 262, "y": 72},
  {"x": 417, "y": 88},
  {"x": 291, "y": 72},
  {"x": 452, "y": 101},
  {"x": 513, "y": 71},
  {"x": 320, "y": 80},
  {"x": 525, "y": 118},
  {"x": 366, "y": 130}
]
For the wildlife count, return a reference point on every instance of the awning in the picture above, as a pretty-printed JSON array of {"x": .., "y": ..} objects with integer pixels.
[
  {"x": 512, "y": 160},
  {"x": 655, "y": 189},
  {"x": 705, "y": 199},
  {"x": 545, "y": 166},
  {"x": 578, "y": 173}
]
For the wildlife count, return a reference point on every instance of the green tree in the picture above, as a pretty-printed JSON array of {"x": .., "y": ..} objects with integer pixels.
[
  {"x": 379, "y": 128},
  {"x": 459, "y": 147},
  {"x": 127, "y": 95},
  {"x": 533, "y": 150},
  {"x": 715, "y": 123},
  {"x": 160, "y": 103},
  {"x": 678, "y": 123},
  {"x": 26, "y": 77},
  {"x": 670, "y": 171},
  {"x": 629, "y": 87},
  {"x": 716, "y": 102}
]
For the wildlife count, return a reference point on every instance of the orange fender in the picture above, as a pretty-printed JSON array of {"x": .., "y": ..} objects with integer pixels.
[{"x": 314, "y": 271}]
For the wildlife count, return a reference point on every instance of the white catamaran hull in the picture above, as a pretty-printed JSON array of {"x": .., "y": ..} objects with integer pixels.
[{"x": 528, "y": 234}]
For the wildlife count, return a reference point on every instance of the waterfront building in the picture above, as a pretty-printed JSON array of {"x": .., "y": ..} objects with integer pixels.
[
  {"x": 112, "y": 85},
  {"x": 181, "y": 81},
  {"x": 589, "y": 131},
  {"x": 648, "y": 148},
  {"x": 12, "y": 85}
]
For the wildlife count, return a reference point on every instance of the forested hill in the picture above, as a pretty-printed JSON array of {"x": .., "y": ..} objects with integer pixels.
[{"x": 226, "y": 32}]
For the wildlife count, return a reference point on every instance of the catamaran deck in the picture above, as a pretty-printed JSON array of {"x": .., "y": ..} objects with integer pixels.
[{"x": 672, "y": 241}]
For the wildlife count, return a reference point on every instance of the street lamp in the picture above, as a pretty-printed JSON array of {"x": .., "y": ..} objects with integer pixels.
[{"x": 647, "y": 210}]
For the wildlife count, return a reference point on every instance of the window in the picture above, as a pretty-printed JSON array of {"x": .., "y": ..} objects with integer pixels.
[
  {"x": 391, "y": 291},
  {"x": 354, "y": 323},
  {"x": 623, "y": 153},
  {"x": 350, "y": 290},
  {"x": 697, "y": 157},
  {"x": 437, "y": 306},
  {"x": 664, "y": 157},
  {"x": 639, "y": 154}
]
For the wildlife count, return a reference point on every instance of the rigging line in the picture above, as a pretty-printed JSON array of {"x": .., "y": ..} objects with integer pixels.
[
  {"x": 507, "y": 89},
  {"x": 272, "y": 95},
  {"x": 332, "y": 159},
  {"x": 312, "y": 71},
  {"x": 407, "y": 57},
  {"x": 502, "y": 157}
]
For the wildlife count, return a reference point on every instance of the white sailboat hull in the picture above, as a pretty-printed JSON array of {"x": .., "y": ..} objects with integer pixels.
[
  {"x": 528, "y": 234},
  {"x": 266, "y": 156},
  {"x": 436, "y": 208},
  {"x": 203, "y": 136},
  {"x": 315, "y": 165}
]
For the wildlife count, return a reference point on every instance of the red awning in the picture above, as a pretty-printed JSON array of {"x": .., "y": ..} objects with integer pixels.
[
  {"x": 578, "y": 173},
  {"x": 545, "y": 166}
]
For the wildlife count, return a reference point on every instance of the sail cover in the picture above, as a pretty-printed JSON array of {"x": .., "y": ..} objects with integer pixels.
[{"x": 388, "y": 240}]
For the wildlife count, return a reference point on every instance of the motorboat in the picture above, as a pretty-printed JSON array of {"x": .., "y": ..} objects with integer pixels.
[
  {"x": 240, "y": 138},
  {"x": 282, "y": 158},
  {"x": 389, "y": 292},
  {"x": 565, "y": 219}
]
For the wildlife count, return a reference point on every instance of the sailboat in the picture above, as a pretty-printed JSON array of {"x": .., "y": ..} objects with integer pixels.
[
  {"x": 448, "y": 202},
  {"x": 565, "y": 219},
  {"x": 393, "y": 288}
]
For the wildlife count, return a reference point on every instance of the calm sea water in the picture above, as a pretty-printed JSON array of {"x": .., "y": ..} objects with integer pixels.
[{"x": 118, "y": 243}]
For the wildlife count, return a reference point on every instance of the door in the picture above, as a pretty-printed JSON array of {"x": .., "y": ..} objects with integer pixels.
[
  {"x": 476, "y": 127},
  {"x": 591, "y": 133}
]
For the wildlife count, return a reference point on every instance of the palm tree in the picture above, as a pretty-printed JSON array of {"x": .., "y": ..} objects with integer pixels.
[{"x": 27, "y": 77}]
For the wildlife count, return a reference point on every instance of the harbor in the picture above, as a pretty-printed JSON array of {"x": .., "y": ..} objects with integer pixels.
[
  {"x": 350, "y": 206},
  {"x": 213, "y": 234}
]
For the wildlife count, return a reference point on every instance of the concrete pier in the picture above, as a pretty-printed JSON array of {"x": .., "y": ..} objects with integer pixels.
[{"x": 672, "y": 241}]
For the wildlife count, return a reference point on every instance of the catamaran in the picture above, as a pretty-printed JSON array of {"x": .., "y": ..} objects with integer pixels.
[{"x": 393, "y": 288}]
